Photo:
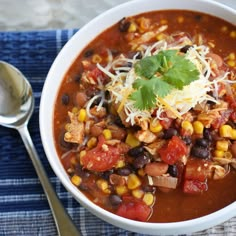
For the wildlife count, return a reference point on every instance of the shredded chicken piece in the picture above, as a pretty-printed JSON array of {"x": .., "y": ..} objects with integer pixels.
[
  {"x": 219, "y": 172},
  {"x": 75, "y": 130},
  {"x": 208, "y": 117},
  {"x": 145, "y": 136},
  {"x": 152, "y": 148}
]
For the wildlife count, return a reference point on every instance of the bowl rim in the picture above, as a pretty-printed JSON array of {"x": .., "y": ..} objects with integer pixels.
[{"x": 57, "y": 71}]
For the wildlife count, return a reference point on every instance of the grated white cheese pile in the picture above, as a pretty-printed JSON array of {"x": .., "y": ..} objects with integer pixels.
[{"x": 178, "y": 102}]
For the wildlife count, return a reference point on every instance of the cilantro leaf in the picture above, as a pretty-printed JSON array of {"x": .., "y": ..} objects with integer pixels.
[
  {"x": 147, "y": 67},
  {"x": 157, "y": 75},
  {"x": 144, "y": 98},
  {"x": 182, "y": 72},
  {"x": 145, "y": 95}
]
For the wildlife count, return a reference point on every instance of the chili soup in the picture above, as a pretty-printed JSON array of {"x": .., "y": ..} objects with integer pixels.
[{"x": 145, "y": 119}]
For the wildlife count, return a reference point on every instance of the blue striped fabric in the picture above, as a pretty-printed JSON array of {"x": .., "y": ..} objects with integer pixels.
[{"x": 23, "y": 207}]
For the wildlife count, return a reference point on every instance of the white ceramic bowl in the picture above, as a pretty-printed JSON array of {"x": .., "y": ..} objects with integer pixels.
[{"x": 53, "y": 81}]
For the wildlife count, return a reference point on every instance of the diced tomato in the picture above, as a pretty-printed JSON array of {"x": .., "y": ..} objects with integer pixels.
[
  {"x": 231, "y": 100},
  {"x": 134, "y": 209},
  {"x": 166, "y": 122},
  {"x": 194, "y": 186},
  {"x": 173, "y": 151},
  {"x": 233, "y": 116},
  {"x": 95, "y": 74},
  {"x": 197, "y": 169},
  {"x": 101, "y": 158}
]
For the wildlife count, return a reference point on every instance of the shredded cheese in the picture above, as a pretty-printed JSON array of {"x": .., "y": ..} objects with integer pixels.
[{"x": 122, "y": 76}]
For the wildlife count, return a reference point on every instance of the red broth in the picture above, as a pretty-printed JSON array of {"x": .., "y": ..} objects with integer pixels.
[{"x": 113, "y": 184}]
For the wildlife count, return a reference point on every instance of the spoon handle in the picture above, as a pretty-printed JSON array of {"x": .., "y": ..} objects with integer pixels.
[{"x": 63, "y": 221}]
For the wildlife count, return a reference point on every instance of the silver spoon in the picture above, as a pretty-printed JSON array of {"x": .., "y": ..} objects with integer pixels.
[{"x": 16, "y": 108}]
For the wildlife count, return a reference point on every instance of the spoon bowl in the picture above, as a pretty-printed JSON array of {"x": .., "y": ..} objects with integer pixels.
[
  {"x": 16, "y": 97},
  {"x": 16, "y": 108}
]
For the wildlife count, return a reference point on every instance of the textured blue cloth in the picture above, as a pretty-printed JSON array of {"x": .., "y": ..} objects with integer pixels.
[{"x": 24, "y": 209}]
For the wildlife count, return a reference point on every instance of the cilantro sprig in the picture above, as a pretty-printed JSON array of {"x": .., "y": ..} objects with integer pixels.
[{"x": 157, "y": 75}]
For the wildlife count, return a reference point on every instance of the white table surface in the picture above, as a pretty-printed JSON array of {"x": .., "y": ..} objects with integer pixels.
[{"x": 56, "y": 14}]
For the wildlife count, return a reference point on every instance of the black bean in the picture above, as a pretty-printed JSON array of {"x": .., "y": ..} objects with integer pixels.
[
  {"x": 202, "y": 142},
  {"x": 106, "y": 174},
  {"x": 185, "y": 48},
  {"x": 149, "y": 188},
  {"x": 115, "y": 200},
  {"x": 65, "y": 99},
  {"x": 198, "y": 17},
  {"x": 207, "y": 134},
  {"x": 200, "y": 152},
  {"x": 187, "y": 140},
  {"x": 124, "y": 25},
  {"x": 63, "y": 143},
  {"x": 141, "y": 161},
  {"x": 83, "y": 187},
  {"x": 169, "y": 133},
  {"x": 125, "y": 171},
  {"x": 84, "y": 173},
  {"x": 88, "y": 53},
  {"x": 137, "y": 54},
  {"x": 136, "y": 151},
  {"x": 118, "y": 122},
  {"x": 96, "y": 102},
  {"x": 173, "y": 170},
  {"x": 78, "y": 78}
]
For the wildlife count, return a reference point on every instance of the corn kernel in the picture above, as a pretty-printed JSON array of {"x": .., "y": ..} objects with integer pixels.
[
  {"x": 155, "y": 126},
  {"x": 76, "y": 180},
  {"x": 107, "y": 134},
  {"x": 232, "y": 56},
  {"x": 74, "y": 161},
  {"x": 82, "y": 153},
  {"x": 120, "y": 164},
  {"x": 222, "y": 145},
  {"x": 137, "y": 193},
  {"x": 133, "y": 181},
  {"x": 224, "y": 29},
  {"x": 232, "y": 34},
  {"x": 231, "y": 63},
  {"x": 187, "y": 126},
  {"x": 67, "y": 135},
  {"x": 233, "y": 134},
  {"x": 141, "y": 172},
  {"x": 81, "y": 156},
  {"x": 132, "y": 28},
  {"x": 180, "y": 19},
  {"x": 92, "y": 142},
  {"x": 219, "y": 153},
  {"x": 121, "y": 189},
  {"x": 144, "y": 23},
  {"x": 198, "y": 127},
  {"x": 160, "y": 36},
  {"x": 74, "y": 110},
  {"x": 96, "y": 59},
  {"x": 103, "y": 185},
  {"x": 163, "y": 21},
  {"x": 225, "y": 131},
  {"x": 228, "y": 155},
  {"x": 131, "y": 140},
  {"x": 148, "y": 198},
  {"x": 82, "y": 115}
]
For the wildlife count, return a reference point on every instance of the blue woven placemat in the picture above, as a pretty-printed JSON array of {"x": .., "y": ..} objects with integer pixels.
[{"x": 23, "y": 206}]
